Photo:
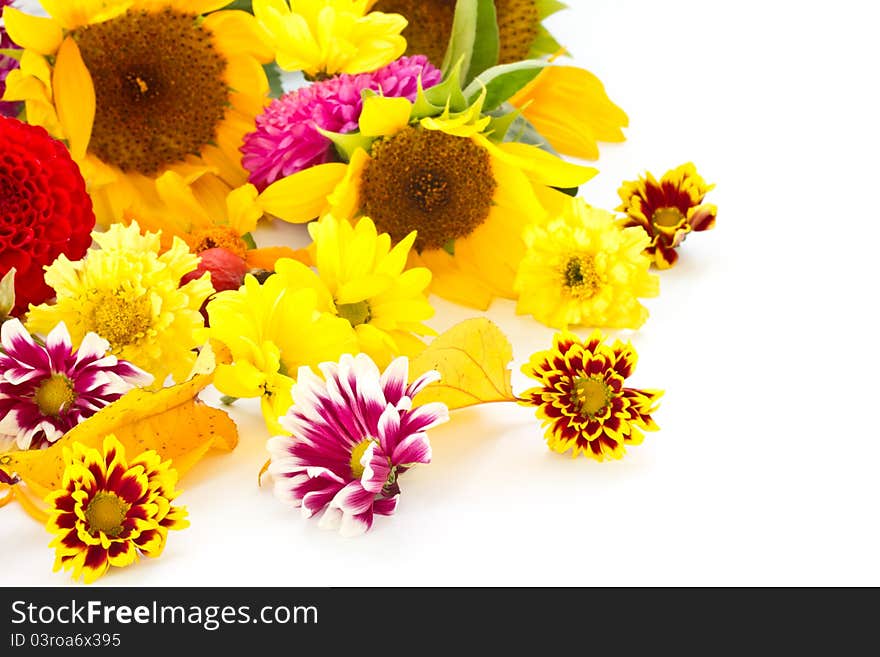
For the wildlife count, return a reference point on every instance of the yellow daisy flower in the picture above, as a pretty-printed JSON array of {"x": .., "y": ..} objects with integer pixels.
[
  {"x": 582, "y": 268},
  {"x": 271, "y": 330},
  {"x": 581, "y": 398},
  {"x": 363, "y": 280},
  {"x": 326, "y": 37},
  {"x": 110, "y": 510},
  {"x": 130, "y": 295},
  {"x": 141, "y": 87},
  {"x": 467, "y": 197}
]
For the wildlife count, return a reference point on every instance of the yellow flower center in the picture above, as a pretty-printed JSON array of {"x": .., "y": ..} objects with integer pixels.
[
  {"x": 105, "y": 513},
  {"x": 356, "y": 313},
  {"x": 55, "y": 395},
  {"x": 667, "y": 217},
  {"x": 159, "y": 88},
  {"x": 426, "y": 180},
  {"x": 591, "y": 395},
  {"x": 357, "y": 470},
  {"x": 218, "y": 237},
  {"x": 120, "y": 319},
  {"x": 581, "y": 277}
]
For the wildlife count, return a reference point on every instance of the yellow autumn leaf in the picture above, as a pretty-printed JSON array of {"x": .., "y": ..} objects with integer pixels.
[
  {"x": 171, "y": 421},
  {"x": 472, "y": 358}
]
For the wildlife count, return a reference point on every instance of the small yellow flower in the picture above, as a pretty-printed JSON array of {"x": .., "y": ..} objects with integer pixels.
[
  {"x": 668, "y": 210},
  {"x": 326, "y": 37},
  {"x": 110, "y": 510},
  {"x": 271, "y": 330},
  {"x": 363, "y": 280},
  {"x": 582, "y": 268},
  {"x": 130, "y": 295},
  {"x": 581, "y": 399}
]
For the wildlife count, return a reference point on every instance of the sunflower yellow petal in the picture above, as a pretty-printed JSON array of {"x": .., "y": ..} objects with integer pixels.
[
  {"x": 42, "y": 35},
  {"x": 303, "y": 196},
  {"x": 74, "y": 97},
  {"x": 384, "y": 116},
  {"x": 541, "y": 166},
  {"x": 75, "y": 13}
]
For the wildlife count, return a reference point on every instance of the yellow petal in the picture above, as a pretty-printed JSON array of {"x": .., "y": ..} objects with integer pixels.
[
  {"x": 540, "y": 166},
  {"x": 75, "y": 13},
  {"x": 42, "y": 35},
  {"x": 303, "y": 196},
  {"x": 74, "y": 97},
  {"x": 384, "y": 116}
]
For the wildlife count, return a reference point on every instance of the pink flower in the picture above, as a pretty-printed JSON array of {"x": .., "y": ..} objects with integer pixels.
[
  {"x": 46, "y": 390},
  {"x": 287, "y": 139},
  {"x": 6, "y": 64},
  {"x": 352, "y": 435}
]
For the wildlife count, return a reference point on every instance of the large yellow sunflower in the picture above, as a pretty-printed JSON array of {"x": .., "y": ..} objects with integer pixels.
[
  {"x": 142, "y": 87},
  {"x": 468, "y": 197}
]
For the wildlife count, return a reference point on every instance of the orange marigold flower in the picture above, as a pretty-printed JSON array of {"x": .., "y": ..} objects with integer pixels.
[
  {"x": 668, "y": 210},
  {"x": 581, "y": 398},
  {"x": 110, "y": 510}
]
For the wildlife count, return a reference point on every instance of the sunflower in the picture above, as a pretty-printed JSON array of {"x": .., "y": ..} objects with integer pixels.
[
  {"x": 366, "y": 282},
  {"x": 141, "y": 87},
  {"x": 583, "y": 268},
  {"x": 467, "y": 197},
  {"x": 668, "y": 210},
  {"x": 270, "y": 330},
  {"x": 130, "y": 294},
  {"x": 521, "y": 34},
  {"x": 582, "y": 400},
  {"x": 110, "y": 510},
  {"x": 325, "y": 37}
]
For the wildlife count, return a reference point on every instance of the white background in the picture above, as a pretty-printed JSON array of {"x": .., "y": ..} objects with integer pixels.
[{"x": 765, "y": 470}]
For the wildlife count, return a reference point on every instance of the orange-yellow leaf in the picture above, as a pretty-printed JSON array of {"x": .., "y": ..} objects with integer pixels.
[
  {"x": 170, "y": 421},
  {"x": 472, "y": 358}
]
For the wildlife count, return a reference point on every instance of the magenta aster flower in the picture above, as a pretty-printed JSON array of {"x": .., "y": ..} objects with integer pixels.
[
  {"x": 47, "y": 390},
  {"x": 287, "y": 139},
  {"x": 6, "y": 64},
  {"x": 352, "y": 435}
]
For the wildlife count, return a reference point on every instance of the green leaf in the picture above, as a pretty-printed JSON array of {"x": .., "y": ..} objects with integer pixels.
[
  {"x": 14, "y": 53},
  {"x": 273, "y": 74},
  {"x": 248, "y": 239},
  {"x": 448, "y": 93},
  {"x": 464, "y": 33},
  {"x": 521, "y": 130},
  {"x": 243, "y": 5},
  {"x": 486, "y": 43},
  {"x": 545, "y": 44},
  {"x": 347, "y": 144},
  {"x": 502, "y": 82}
]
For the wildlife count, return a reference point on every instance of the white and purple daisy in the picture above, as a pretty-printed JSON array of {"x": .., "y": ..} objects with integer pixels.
[
  {"x": 353, "y": 433},
  {"x": 46, "y": 390}
]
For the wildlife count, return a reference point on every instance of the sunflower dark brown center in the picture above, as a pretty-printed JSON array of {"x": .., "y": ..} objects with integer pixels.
[
  {"x": 591, "y": 395},
  {"x": 159, "y": 88},
  {"x": 518, "y": 23},
  {"x": 105, "y": 513},
  {"x": 428, "y": 28},
  {"x": 426, "y": 180},
  {"x": 667, "y": 217},
  {"x": 55, "y": 395}
]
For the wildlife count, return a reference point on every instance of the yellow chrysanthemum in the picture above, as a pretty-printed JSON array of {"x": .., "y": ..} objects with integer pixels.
[
  {"x": 467, "y": 197},
  {"x": 141, "y": 87},
  {"x": 581, "y": 399},
  {"x": 110, "y": 510},
  {"x": 271, "y": 330},
  {"x": 130, "y": 295},
  {"x": 206, "y": 214},
  {"x": 583, "y": 268},
  {"x": 363, "y": 280},
  {"x": 521, "y": 34},
  {"x": 326, "y": 37}
]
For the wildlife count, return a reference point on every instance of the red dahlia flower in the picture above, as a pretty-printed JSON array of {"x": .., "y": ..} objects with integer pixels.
[{"x": 44, "y": 208}]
